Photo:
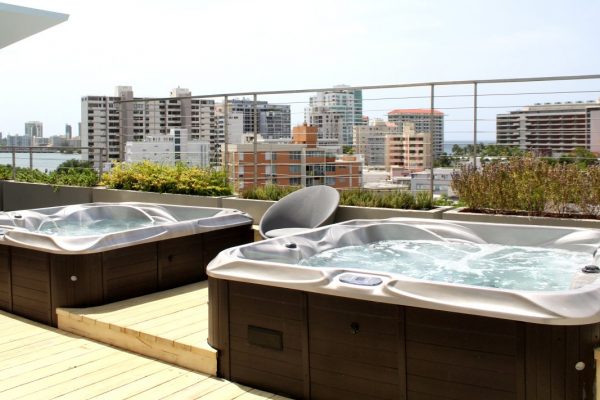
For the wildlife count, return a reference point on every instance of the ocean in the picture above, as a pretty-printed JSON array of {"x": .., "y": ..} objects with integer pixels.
[{"x": 45, "y": 162}]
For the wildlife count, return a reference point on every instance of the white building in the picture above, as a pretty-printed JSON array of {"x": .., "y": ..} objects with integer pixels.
[
  {"x": 108, "y": 122},
  {"x": 369, "y": 140},
  {"x": 551, "y": 129},
  {"x": 170, "y": 149},
  {"x": 272, "y": 122},
  {"x": 335, "y": 113},
  {"x": 442, "y": 180}
]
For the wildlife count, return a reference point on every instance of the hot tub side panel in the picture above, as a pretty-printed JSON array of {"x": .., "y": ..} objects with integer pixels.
[
  {"x": 34, "y": 283},
  {"x": 315, "y": 346}
]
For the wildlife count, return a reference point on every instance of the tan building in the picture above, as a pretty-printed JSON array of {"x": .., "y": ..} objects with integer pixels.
[
  {"x": 411, "y": 150},
  {"x": 300, "y": 163},
  {"x": 425, "y": 122},
  {"x": 369, "y": 140}
]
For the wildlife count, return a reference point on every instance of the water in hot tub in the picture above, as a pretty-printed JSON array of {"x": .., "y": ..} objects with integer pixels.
[
  {"x": 91, "y": 228},
  {"x": 491, "y": 265}
]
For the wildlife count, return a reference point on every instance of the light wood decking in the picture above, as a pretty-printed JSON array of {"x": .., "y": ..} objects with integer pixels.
[
  {"x": 40, "y": 362},
  {"x": 171, "y": 326}
]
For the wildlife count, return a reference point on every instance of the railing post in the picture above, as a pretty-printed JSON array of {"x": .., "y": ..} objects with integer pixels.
[
  {"x": 30, "y": 157},
  {"x": 255, "y": 144},
  {"x": 474, "y": 124},
  {"x": 431, "y": 144},
  {"x": 225, "y": 155},
  {"x": 14, "y": 164}
]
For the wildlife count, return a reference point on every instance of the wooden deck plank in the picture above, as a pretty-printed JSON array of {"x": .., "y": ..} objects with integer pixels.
[{"x": 71, "y": 367}]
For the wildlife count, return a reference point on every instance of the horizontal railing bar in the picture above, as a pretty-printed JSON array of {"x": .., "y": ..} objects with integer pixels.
[{"x": 373, "y": 87}]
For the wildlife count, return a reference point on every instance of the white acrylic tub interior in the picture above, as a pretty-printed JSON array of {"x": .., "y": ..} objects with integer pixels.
[
  {"x": 275, "y": 262},
  {"x": 96, "y": 227}
]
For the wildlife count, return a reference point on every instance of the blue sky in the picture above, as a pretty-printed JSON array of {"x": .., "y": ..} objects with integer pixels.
[{"x": 231, "y": 46}]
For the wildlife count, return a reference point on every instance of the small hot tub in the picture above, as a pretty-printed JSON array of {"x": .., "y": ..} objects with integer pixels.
[
  {"x": 411, "y": 309},
  {"x": 92, "y": 254}
]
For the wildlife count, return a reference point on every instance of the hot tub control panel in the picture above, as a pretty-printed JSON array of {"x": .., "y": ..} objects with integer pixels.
[{"x": 360, "y": 280}]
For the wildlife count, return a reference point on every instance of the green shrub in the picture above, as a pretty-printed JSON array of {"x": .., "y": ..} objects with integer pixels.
[
  {"x": 150, "y": 177},
  {"x": 267, "y": 192}
]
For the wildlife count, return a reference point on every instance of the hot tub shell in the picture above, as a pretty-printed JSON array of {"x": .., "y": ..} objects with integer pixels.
[
  {"x": 304, "y": 332},
  {"x": 40, "y": 272}
]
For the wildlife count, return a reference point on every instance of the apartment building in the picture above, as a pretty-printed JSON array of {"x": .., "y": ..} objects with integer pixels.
[
  {"x": 272, "y": 122},
  {"x": 425, "y": 122},
  {"x": 34, "y": 129},
  {"x": 369, "y": 140},
  {"x": 411, "y": 150},
  {"x": 175, "y": 147},
  {"x": 299, "y": 163},
  {"x": 551, "y": 129},
  {"x": 108, "y": 122},
  {"x": 335, "y": 113}
]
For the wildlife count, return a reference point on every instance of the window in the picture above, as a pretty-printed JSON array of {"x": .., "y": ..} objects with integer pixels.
[
  {"x": 330, "y": 168},
  {"x": 294, "y": 169},
  {"x": 295, "y": 155},
  {"x": 295, "y": 181},
  {"x": 329, "y": 181},
  {"x": 240, "y": 155}
]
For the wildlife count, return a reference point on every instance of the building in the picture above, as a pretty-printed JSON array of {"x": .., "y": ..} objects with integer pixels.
[
  {"x": 411, "y": 150},
  {"x": 551, "y": 129},
  {"x": 442, "y": 181},
  {"x": 423, "y": 118},
  {"x": 176, "y": 147},
  {"x": 108, "y": 122},
  {"x": 273, "y": 120},
  {"x": 335, "y": 113},
  {"x": 369, "y": 140},
  {"x": 34, "y": 129},
  {"x": 299, "y": 163},
  {"x": 68, "y": 131},
  {"x": 19, "y": 141}
]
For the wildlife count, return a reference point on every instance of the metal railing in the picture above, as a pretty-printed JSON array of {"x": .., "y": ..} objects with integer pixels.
[
  {"x": 470, "y": 113},
  {"x": 47, "y": 158}
]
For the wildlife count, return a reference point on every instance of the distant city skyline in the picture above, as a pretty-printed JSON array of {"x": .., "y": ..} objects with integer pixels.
[{"x": 233, "y": 46}]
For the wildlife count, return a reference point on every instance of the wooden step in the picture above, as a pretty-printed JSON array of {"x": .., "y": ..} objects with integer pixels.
[{"x": 171, "y": 326}]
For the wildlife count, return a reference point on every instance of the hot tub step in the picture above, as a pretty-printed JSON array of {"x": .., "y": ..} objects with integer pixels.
[{"x": 171, "y": 326}]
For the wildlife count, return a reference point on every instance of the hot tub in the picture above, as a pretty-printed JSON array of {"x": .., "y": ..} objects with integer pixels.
[
  {"x": 344, "y": 331},
  {"x": 92, "y": 254}
]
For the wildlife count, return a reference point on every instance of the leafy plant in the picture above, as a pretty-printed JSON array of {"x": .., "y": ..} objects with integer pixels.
[{"x": 150, "y": 177}]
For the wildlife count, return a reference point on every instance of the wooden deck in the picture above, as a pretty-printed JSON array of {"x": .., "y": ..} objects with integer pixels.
[
  {"x": 171, "y": 326},
  {"x": 40, "y": 362}
]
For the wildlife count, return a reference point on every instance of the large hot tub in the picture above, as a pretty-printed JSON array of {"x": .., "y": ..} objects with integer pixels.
[
  {"x": 92, "y": 254},
  {"x": 411, "y": 309}
]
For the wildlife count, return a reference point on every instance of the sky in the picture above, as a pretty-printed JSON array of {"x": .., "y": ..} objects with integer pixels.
[{"x": 224, "y": 46}]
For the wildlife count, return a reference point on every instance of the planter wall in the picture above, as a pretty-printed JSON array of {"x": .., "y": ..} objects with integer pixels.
[
  {"x": 457, "y": 215},
  {"x": 346, "y": 213},
  {"x": 113, "y": 195},
  {"x": 23, "y": 196}
]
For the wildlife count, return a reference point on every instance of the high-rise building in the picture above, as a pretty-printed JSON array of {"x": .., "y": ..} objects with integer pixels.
[
  {"x": 410, "y": 150},
  {"x": 369, "y": 140},
  {"x": 423, "y": 119},
  {"x": 108, "y": 122},
  {"x": 273, "y": 120},
  {"x": 551, "y": 129},
  {"x": 68, "y": 131},
  {"x": 34, "y": 129},
  {"x": 335, "y": 113}
]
